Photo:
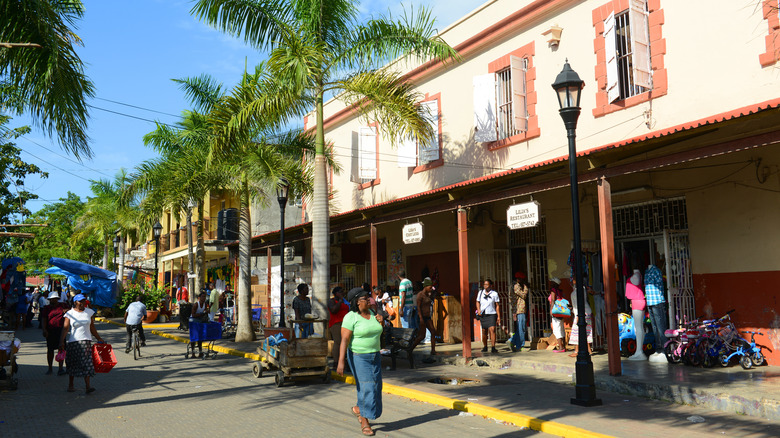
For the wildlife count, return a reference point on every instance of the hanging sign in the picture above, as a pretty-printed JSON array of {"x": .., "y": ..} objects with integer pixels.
[
  {"x": 524, "y": 215},
  {"x": 413, "y": 233}
]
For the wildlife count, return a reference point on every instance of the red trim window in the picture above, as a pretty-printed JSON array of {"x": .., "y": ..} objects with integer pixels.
[
  {"x": 365, "y": 156},
  {"x": 424, "y": 157},
  {"x": 630, "y": 53},
  {"x": 505, "y": 100},
  {"x": 771, "y": 10}
]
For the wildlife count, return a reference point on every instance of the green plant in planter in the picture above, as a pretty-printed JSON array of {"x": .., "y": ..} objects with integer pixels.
[{"x": 150, "y": 296}]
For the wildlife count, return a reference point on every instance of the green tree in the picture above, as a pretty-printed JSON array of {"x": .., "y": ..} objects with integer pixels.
[
  {"x": 13, "y": 195},
  {"x": 40, "y": 71},
  {"x": 55, "y": 239},
  {"x": 320, "y": 47}
]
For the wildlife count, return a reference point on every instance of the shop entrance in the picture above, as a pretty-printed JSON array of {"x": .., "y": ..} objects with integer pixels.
[{"x": 528, "y": 249}]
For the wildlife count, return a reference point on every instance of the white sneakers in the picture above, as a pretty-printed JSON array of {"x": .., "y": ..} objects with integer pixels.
[{"x": 658, "y": 358}]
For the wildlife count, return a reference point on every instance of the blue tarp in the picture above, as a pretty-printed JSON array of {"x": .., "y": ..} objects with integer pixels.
[{"x": 97, "y": 284}]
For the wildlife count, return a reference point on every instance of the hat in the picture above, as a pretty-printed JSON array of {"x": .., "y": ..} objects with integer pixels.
[
  {"x": 556, "y": 280},
  {"x": 427, "y": 282},
  {"x": 54, "y": 295},
  {"x": 355, "y": 293},
  {"x": 79, "y": 297}
]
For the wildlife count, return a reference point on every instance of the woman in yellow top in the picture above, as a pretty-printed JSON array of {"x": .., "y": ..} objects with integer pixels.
[{"x": 361, "y": 330}]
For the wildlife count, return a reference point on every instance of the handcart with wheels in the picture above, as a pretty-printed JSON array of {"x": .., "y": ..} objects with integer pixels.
[
  {"x": 9, "y": 345},
  {"x": 294, "y": 358},
  {"x": 203, "y": 332}
]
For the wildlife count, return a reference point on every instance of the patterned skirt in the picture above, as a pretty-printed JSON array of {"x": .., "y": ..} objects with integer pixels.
[
  {"x": 574, "y": 339},
  {"x": 79, "y": 359}
]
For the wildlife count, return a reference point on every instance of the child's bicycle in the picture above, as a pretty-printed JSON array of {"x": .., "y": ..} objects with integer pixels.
[{"x": 749, "y": 352}]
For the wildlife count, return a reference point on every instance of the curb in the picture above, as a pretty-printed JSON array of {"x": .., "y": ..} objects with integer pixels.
[
  {"x": 518, "y": 420},
  {"x": 217, "y": 348},
  {"x": 515, "y": 419}
]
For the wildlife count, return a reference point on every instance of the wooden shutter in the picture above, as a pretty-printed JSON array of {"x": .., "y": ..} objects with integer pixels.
[
  {"x": 367, "y": 153},
  {"x": 485, "y": 108},
  {"x": 430, "y": 152},
  {"x": 640, "y": 44},
  {"x": 519, "y": 104},
  {"x": 407, "y": 152},
  {"x": 354, "y": 171},
  {"x": 613, "y": 91}
]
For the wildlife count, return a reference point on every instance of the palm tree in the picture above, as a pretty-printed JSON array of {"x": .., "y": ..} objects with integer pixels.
[
  {"x": 320, "y": 47},
  {"x": 40, "y": 70}
]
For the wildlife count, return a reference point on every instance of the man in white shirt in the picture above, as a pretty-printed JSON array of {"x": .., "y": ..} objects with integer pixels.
[{"x": 134, "y": 316}]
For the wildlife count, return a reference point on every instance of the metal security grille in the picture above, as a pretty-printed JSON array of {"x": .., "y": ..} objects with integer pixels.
[
  {"x": 525, "y": 236},
  {"x": 353, "y": 275},
  {"x": 538, "y": 306},
  {"x": 504, "y": 101},
  {"x": 496, "y": 265},
  {"x": 679, "y": 276},
  {"x": 624, "y": 54},
  {"x": 649, "y": 218}
]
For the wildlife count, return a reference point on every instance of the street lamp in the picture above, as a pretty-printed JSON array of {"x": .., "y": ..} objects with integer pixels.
[
  {"x": 116, "y": 248},
  {"x": 282, "y": 192},
  {"x": 191, "y": 204},
  {"x": 568, "y": 85},
  {"x": 156, "y": 231}
]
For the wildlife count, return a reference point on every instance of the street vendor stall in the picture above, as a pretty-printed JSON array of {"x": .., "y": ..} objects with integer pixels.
[{"x": 98, "y": 285}]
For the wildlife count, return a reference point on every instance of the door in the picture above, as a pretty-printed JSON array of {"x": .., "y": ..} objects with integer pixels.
[
  {"x": 495, "y": 264},
  {"x": 679, "y": 277},
  {"x": 538, "y": 306}
]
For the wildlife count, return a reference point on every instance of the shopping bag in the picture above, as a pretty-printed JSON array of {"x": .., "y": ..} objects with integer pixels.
[
  {"x": 60, "y": 357},
  {"x": 561, "y": 309}
]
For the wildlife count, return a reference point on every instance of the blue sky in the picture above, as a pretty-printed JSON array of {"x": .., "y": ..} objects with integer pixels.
[{"x": 131, "y": 52}]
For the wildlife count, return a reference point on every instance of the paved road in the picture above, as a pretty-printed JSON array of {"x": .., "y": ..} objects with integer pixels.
[{"x": 165, "y": 395}]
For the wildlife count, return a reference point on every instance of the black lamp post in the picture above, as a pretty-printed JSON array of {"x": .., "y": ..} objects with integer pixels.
[
  {"x": 156, "y": 231},
  {"x": 282, "y": 191},
  {"x": 116, "y": 248},
  {"x": 568, "y": 85}
]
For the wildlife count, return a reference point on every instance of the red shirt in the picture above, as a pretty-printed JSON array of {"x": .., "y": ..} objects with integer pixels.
[
  {"x": 336, "y": 318},
  {"x": 54, "y": 314},
  {"x": 183, "y": 294}
]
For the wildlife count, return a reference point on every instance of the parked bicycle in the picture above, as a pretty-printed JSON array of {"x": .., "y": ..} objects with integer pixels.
[{"x": 749, "y": 353}]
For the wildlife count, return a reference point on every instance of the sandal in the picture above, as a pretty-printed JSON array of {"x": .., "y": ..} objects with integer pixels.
[
  {"x": 71, "y": 389},
  {"x": 366, "y": 430},
  {"x": 356, "y": 411},
  {"x": 90, "y": 390},
  {"x": 573, "y": 355}
]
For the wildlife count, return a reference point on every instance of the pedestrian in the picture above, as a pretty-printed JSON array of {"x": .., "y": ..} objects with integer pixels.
[
  {"x": 42, "y": 302},
  {"x": 200, "y": 313},
  {"x": 361, "y": 331},
  {"x": 134, "y": 318},
  {"x": 338, "y": 307},
  {"x": 406, "y": 301},
  {"x": 302, "y": 306},
  {"x": 487, "y": 310},
  {"x": 574, "y": 339},
  {"x": 21, "y": 310},
  {"x": 53, "y": 320},
  {"x": 213, "y": 302},
  {"x": 556, "y": 323},
  {"x": 79, "y": 328},
  {"x": 520, "y": 290},
  {"x": 424, "y": 303}
]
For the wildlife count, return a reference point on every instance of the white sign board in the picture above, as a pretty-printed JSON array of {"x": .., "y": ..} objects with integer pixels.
[
  {"x": 413, "y": 233},
  {"x": 522, "y": 215},
  {"x": 138, "y": 253}
]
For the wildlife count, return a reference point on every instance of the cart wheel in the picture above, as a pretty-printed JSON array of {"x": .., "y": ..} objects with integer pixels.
[
  {"x": 326, "y": 377},
  {"x": 279, "y": 379},
  {"x": 746, "y": 362},
  {"x": 257, "y": 370}
]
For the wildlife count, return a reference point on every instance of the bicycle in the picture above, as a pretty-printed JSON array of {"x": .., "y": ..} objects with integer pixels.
[
  {"x": 136, "y": 345},
  {"x": 750, "y": 352}
]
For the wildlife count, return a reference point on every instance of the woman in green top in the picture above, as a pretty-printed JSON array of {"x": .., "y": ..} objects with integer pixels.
[{"x": 360, "y": 338}]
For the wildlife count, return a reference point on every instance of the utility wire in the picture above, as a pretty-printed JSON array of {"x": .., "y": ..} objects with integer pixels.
[
  {"x": 56, "y": 167},
  {"x": 138, "y": 107},
  {"x": 67, "y": 158}
]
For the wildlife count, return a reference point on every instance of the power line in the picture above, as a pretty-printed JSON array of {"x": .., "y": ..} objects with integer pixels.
[
  {"x": 65, "y": 157},
  {"x": 137, "y": 107},
  {"x": 132, "y": 116},
  {"x": 57, "y": 167}
]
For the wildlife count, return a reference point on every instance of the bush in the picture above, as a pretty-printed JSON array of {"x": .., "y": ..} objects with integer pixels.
[{"x": 150, "y": 296}]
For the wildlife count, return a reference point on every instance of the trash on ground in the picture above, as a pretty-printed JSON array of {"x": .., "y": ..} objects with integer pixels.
[
  {"x": 465, "y": 414},
  {"x": 696, "y": 419}
]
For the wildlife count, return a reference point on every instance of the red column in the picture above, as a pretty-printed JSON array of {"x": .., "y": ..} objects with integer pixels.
[
  {"x": 608, "y": 269},
  {"x": 463, "y": 264},
  {"x": 374, "y": 260}
]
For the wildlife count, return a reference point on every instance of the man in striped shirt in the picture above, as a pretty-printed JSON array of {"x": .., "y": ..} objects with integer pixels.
[{"x": 406, "y": 300}]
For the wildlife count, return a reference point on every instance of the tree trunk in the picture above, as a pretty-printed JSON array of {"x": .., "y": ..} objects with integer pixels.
[
  {"x": 105, "y": 256},
  {"x": 244, "y": 331},
  {"x": 120, "y": 271},
  {"x": 190, "y": 257},
  {"x": 200, "y": 259},
  {"x": 320, "y": 223}
]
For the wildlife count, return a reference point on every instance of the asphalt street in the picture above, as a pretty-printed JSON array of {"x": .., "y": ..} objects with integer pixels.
[{"x": 163, "y": 394}]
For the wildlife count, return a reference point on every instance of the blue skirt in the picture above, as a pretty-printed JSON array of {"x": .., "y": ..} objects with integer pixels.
[{"x": 367, "y": 370}]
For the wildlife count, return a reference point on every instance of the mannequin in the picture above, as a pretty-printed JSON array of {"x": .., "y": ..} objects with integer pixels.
[
  {"x": 636, "y": 295},
  {"x": 656, "y": 306}
]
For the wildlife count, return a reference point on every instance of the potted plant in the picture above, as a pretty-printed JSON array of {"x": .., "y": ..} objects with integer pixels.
[{"x": 152, "y": 297}]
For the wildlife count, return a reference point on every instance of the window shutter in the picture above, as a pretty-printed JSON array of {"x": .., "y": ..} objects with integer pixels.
[
  {"x": 520, "y": 107},
  {"x": 613, "y": 91},
  {"x": 485, "y": 108},
  {"x": 430, "y": 152},
  {"x": 640, "y": 44},
  {"x": 367, "y": 153},
  {"x": 354, "y": 171},
  {"x": 407, "y": 152}
]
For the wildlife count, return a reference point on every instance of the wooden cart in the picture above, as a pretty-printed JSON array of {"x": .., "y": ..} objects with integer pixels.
[
  {"x": 293, "y": 359},
  {"x": 8, "y": 361}
]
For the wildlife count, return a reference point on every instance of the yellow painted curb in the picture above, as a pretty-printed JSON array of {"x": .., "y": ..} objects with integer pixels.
[
  {"x": 217, "y": 348},
  {"x": 519, "y": 420}
]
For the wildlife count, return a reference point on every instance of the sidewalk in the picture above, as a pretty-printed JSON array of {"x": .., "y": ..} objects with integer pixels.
[{"x": 532, "y": 389}]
